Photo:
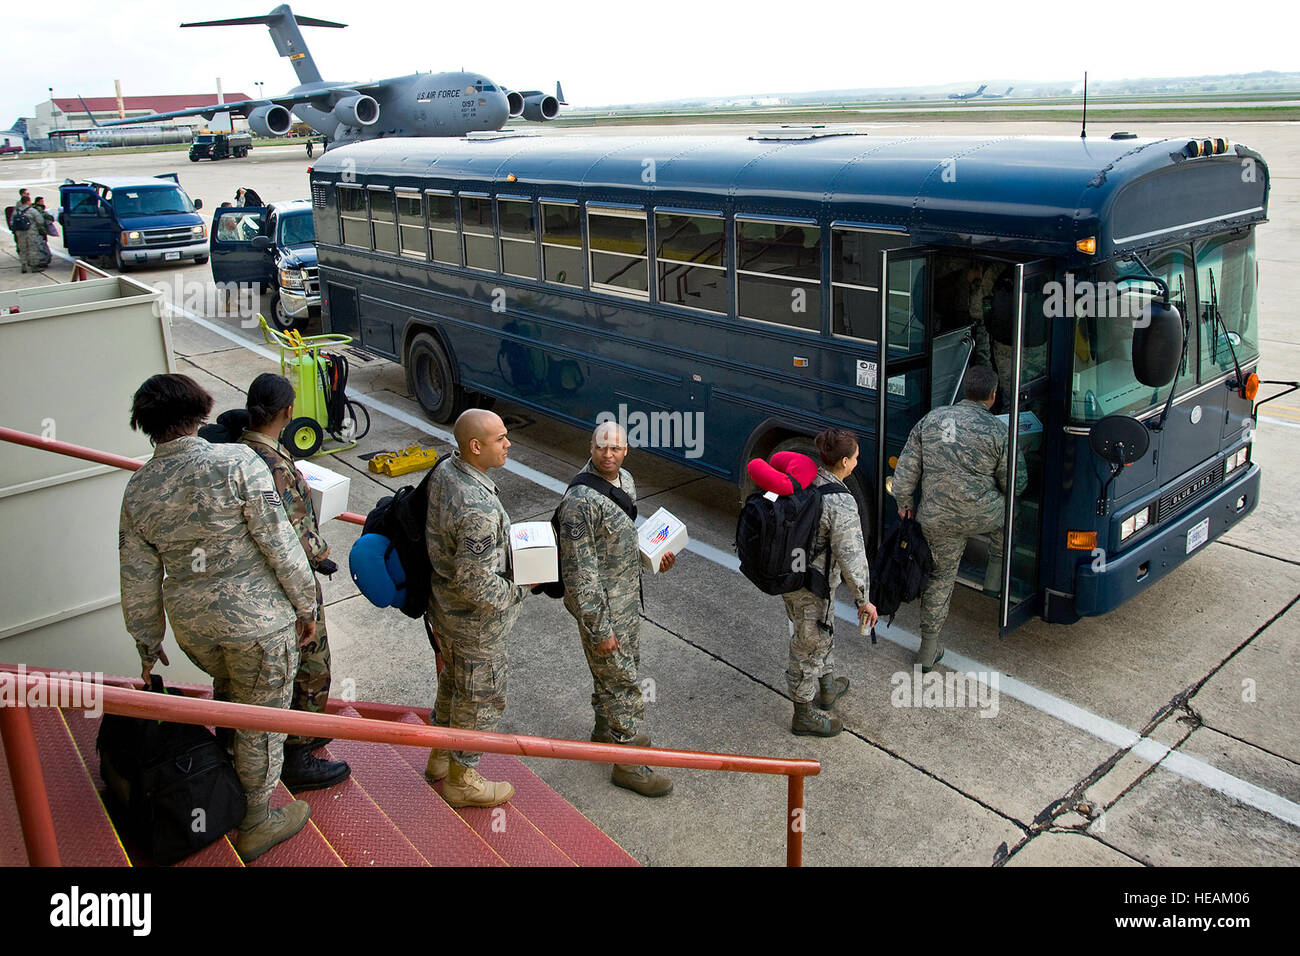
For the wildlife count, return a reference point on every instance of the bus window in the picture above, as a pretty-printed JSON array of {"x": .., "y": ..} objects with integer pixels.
[
  {"x": 383, "y": 220},
  {"x": 444, "y": 237},
  {"x": 518, "y": 237},
  {"x": 855, "y": 280},
  {"x": 691, "y": 259},
  {"x": 906, "y": 307},
  {"x": 410, "y": 224},
  {"x": 619, "y": 261},
  {"x": 1226, "y": 277},
  {"x": 477, "y": 233},
  {"x": 1106, "y": 305},
  {"x": 561, "y": 244},
  {"x": 779, "y": 270},
  {"x": 353, "y": 225}
]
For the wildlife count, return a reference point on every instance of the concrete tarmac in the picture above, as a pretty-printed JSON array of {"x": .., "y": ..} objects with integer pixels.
[{"x": 1162, "y": 733}]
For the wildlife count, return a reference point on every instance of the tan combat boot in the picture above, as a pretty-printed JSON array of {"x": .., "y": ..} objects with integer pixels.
[
  {"x": 263, "y": 828},
  {"x": 640, "y": 780},
  {"x": 437, "y": 766},
  {"x": 465, "y": 787}
]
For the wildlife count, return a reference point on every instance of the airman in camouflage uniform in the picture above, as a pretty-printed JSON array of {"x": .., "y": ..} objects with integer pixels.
[
  {"x": 957, "y": 455},
  {"x": 600, "y": 561},
  {"x": 473, "y": 604},
  {"x": 840, "y": 554},
  {"x": 204, "y": 539},
  {"x": 311, "y": 685}
]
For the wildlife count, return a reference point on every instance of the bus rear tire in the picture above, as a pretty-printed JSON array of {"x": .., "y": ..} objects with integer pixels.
[{"x": 431, "y": 379}]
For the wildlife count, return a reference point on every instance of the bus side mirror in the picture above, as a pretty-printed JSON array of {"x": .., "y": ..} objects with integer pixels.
[{"x": 1158, "y": 346}]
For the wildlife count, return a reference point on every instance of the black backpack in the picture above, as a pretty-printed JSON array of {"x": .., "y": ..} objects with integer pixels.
[
  {"x": 775, "y": 539},
  {"x": 18, "y": 221},
  {"x": 159, "y": 775},
  {"x": 902, "y": 565},
  {"x": 401, "y": 518},
  {"x": 616, "y": 495}
]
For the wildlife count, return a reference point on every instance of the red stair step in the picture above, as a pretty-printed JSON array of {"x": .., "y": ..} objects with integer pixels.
[
  {"x": 84, "y": 730},
  {"x": 307, "y": 847},
  {"x": 434, "y": 829},
  {"x": 13, "y": 852},
  {"x": 505, "y": 829},
  {"x": 81, "y": 825},
  {"x": 358, "y": 829},
  {"x": 562, "y": 823}
]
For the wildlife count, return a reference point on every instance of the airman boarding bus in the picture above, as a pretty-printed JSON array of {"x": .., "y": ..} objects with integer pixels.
[{"x": 769, "y": 286}]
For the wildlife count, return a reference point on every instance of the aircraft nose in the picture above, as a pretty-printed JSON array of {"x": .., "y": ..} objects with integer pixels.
[{"x": 497, "y": 111}]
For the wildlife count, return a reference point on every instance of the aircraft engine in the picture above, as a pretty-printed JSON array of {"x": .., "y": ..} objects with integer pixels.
[
  {"x": 270, "y": 120},
  {"x": 358, "y": 110},
  {"x": 541, "y": 108},
  {"x": 515, "y": 102}
]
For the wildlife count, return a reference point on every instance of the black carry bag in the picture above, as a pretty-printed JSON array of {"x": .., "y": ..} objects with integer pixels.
[
  {"x": 902, "y": 565},
  {"x": 172, "y": 788},
  {"x": 775, "y": 539}
]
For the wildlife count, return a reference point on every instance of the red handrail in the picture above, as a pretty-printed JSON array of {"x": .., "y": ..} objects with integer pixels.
[
  {"x": 186, "y": 710},
  {"x": 309, "y": 725}
]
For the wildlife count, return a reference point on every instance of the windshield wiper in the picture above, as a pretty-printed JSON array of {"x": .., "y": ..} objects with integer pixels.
[{"x": 1216, "y": 320}]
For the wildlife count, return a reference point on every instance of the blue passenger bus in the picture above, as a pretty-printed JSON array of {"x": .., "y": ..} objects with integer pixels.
[{"x": 768, "y": 286}]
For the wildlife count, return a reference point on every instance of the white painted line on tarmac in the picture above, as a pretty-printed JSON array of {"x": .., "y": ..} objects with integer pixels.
[
  {"x": 1278, "y": 421},
  {"x": 1117, "y": 735}
]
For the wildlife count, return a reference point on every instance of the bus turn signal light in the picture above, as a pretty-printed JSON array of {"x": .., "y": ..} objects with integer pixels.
[
  {"x": 1251, "y": 387},
  {"x": 1087, "y": 246},
  {"x": 1081, "y": 540}
]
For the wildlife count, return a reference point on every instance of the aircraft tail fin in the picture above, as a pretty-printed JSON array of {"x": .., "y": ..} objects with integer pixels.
[
  {"x": 559, "y": 94},
  {"x": 983, "y": 87},
  {"x": 283, "y": 24},
  {"x": 1008, "y": 92}
]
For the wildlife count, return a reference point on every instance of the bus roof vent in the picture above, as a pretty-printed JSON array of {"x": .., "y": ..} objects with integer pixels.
[
  {"x": 803, "y": 132},
  {"x": 492, "y": 135}
]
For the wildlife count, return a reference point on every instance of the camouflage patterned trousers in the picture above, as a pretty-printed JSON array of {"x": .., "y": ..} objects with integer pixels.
[
  {"x": 616, "y": 691},
  {"x": 812, "y": 644},
  {"x": 311, "y": 685},
  {"x": 947, "y": 544},
  {"x": 251, "y": 672},
  {"x": 472, "y": 685}
]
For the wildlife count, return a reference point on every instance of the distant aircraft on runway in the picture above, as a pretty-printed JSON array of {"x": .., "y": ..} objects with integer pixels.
[
  {"x": 999, "y": 96},
  {"x": 968, "y": 96},
  {"x": 419, "y": 104}
]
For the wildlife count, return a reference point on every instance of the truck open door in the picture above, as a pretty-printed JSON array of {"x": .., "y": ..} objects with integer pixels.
[
  {"x": 89, "y": 229},
  {"x": 231, "y": 245}
]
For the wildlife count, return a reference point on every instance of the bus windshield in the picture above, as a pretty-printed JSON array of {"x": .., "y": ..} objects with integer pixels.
[
  {"x": 1110, "y": 302},
  {"x": 151, "y": 201}
]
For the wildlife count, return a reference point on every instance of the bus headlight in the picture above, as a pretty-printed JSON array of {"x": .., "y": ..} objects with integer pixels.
[
  {"x": 290, "y": 278},
  {"x": 1236, "y": 459},
  {"x": 132, "y": 238},
  {"x": 1134, "y": 523}
]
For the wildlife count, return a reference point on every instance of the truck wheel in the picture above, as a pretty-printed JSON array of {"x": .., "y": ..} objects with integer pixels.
[
  {"x": 283, "y": 321},
  {"x": 193, "y": 158},
  {"x": 303, "y": 437},
  {"x": 122, "y": 264},
  {"x": 201, "y": 260},
  {"x": 432, "y": 379}
]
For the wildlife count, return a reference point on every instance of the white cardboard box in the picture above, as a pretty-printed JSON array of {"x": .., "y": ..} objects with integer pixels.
[
  {"x": 534, "y": 557},
  {"x": 661, "y": 533},
  {"x": 329, "y": 490}
]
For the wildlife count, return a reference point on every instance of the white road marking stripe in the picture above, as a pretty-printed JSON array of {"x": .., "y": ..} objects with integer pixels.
[{"x": 1119, "y": 736}]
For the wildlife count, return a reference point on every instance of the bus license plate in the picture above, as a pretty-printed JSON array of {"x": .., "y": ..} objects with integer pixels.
[
  {"x": 1198, "y": 535},
  {"x": 171, "y": 255}
]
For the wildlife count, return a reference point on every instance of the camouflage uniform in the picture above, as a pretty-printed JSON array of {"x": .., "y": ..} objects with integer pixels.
[
  {"x": 311, "y": 685},
  {"x": 236, "y": 578},
  {"x": 473, "y": 604},
  {"x": 977, "y": 290},
  {"x": 958, "y": 454},
  {"x": 33, "y": 250},
  {"x": 838, "y": 543},
  {"x": 601, "y": 564}
]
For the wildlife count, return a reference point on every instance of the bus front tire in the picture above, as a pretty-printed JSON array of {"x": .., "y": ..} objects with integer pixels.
[{"x": 432, "y": 380}]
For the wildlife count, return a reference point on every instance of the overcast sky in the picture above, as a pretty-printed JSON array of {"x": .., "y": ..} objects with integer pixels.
[{"x": 637, "y": 50}]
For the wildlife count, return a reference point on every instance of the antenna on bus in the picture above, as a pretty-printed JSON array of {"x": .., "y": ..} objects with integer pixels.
[{"x": 1083, "y": 133}]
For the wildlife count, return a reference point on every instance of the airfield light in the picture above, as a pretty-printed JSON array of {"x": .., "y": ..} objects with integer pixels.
[{"x": 1087, "y": 246}]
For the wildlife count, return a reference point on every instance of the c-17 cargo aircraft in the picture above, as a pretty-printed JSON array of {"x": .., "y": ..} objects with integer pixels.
[
  {"x": 419, "y": 104},
  {"x": 968, "y": 96}
]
